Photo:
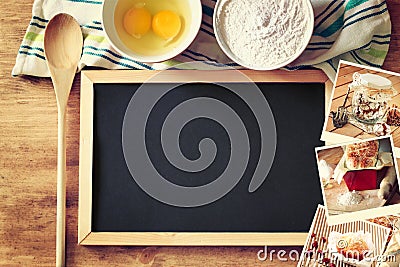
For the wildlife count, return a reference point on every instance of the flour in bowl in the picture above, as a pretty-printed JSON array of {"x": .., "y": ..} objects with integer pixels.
[{"x": 264, "y": 34}]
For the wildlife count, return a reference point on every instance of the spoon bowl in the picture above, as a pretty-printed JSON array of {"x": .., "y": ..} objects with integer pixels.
[{"x": 63, "y": 42}]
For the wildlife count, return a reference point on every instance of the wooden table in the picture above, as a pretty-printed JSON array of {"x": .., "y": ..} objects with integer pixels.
[{"x": 28, "y": 143}]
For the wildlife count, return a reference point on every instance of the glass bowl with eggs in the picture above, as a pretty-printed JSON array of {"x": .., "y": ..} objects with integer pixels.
[{"x": 151, "y": 30}]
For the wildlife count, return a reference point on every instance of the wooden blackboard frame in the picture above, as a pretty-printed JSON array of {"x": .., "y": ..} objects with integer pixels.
[{"x": 89, "y": 78}]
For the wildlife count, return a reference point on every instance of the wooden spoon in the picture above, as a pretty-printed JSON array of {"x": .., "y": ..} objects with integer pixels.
[{"x": 63, "y": 47}]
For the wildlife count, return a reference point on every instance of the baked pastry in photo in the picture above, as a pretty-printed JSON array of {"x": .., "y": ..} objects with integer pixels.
[{"x": 362, "y": 155}]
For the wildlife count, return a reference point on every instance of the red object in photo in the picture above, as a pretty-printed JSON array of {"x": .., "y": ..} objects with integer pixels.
[{"x": 361, "y": 180}]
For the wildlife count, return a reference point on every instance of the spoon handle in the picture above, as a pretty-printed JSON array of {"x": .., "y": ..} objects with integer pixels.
[{"x": 61, "y": 191}]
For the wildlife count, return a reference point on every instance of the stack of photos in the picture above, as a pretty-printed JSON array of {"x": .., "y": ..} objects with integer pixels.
[{"x": 359, "y": 224}]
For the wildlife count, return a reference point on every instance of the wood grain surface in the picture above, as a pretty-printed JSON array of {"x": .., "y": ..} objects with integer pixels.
[{"x": 28, "y": 145}]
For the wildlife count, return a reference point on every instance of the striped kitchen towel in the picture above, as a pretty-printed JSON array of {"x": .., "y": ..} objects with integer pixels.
[{"x": 353, "y": 30}]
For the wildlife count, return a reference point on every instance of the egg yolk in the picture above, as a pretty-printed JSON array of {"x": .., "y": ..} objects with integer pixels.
[
  {"x": 166, "y": 24},
  {"x": 137, "y": 21}
]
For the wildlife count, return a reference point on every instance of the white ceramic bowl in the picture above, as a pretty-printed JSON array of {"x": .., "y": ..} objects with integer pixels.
[
  {"x": 224, "y": 46},
  {"x": 113, "y": 38}
]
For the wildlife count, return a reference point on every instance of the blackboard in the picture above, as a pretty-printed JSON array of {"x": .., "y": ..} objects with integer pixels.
[{"x": 284, "y": 203}]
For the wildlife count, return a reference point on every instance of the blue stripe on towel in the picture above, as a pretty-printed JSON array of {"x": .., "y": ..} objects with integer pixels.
[
  {"x": 331, "y": 64},
  {"x": 37, "y": 25},
  {"x": 201, "y": 55},
  {"x": 208, "y": 32},
  {"x": 185, "y": 55},
  {"x": 334, "y": 27},
  {"x": 296, "y": 67},
  {"x": 32, "y": 48},
  {"x": 109, "y": 59},
  {"x": 207, "y": 24},
  {"x": 221, "y": 65},
  {"x": 322, "y": 43},
  {"x": 292, "y": 68},
  {"x": 40, "y": 19},
  {"x": 118, "y": 56},
  {"x": 382, "y": 36},
  {"x": 108, "y": 51},
  {"x": 362, "y": 47},
  {"x": 355, "y": 55},
  {"x": 92, "y": 27},
  {"x": 208, "y": 10},
  {"x": 364, "y": 10},
  {"x": 330, "y": 14},
  {"x": 357, "y": 61},
  {"x": 326, "y": 9},
  {"x": 338, "y": 24},
  {"x": 87, "y": 2},
  {"x": 32, "y": 54},
  {"x": 318, "y": 48},
  {"x": 215, "y": 64},
  {"x": 380, "y": 42},
  {"x": 373, "y": 41},
  {"x": 365, "y": 17}
]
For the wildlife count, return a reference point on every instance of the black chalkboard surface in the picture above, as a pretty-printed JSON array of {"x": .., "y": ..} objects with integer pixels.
[{"x": 284, "y": 203}]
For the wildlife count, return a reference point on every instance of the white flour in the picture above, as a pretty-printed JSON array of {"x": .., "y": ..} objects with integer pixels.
[
  {"x": 264, "y": 33},
  {"x": 349, "y": 199}
]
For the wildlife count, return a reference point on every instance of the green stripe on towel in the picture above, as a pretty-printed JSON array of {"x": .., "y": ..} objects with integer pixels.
[
  {"x": 334, "y": 27},
  {"x": 374, "y": 52},
  {"x": 35, "y": 37},
  {"x": 172, "y": 62},
  {"x": 97, "y": 38},
  {"x": 354, "y": 3}
]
